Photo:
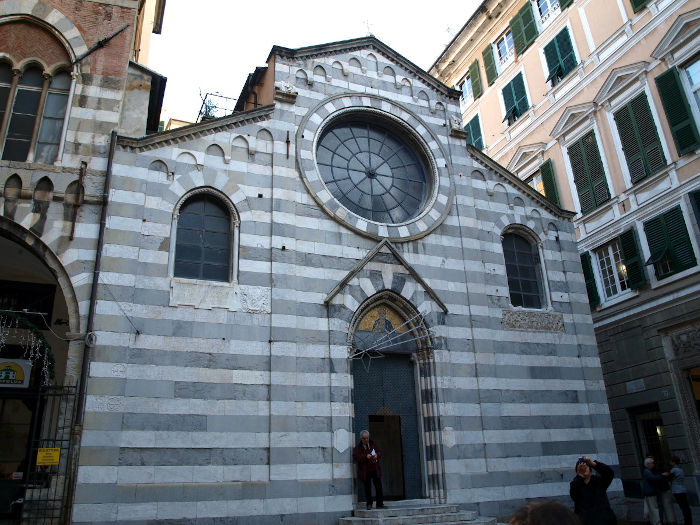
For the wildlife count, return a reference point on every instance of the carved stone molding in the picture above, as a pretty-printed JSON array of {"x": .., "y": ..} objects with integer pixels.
[
  {"x": 285, "y": 92},
  {"x": 686, "y": 343},
  {"x": 683, "y": 352},
  {"x": 207, "y": 295},
  {"x": 538, "y": 321}
]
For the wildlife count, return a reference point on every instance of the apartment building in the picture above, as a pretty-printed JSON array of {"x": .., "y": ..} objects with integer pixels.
[{"x": 595, "y": 103}]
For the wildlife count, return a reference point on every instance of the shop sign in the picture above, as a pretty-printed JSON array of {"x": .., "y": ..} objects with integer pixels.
[
  {"x": 48, "y": 456},
  {"x": 15, "y": 373}
]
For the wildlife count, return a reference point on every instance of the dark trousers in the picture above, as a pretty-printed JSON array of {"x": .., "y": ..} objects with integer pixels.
[
  {"x": 682, "y": 500},
  {"x": 372, "y": 477}
]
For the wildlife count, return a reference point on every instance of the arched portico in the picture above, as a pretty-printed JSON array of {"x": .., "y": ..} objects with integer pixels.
[{"x": 39, "y": 316}]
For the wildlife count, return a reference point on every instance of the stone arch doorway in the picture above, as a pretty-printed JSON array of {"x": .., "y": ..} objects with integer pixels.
[
  {"x": 394, "y": 390},
  {"x": 39, "y": 370}
]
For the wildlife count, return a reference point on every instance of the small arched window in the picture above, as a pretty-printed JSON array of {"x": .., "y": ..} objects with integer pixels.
[
  {"x": 203, "y": 245},
  {"x": 524, "y": 271}
]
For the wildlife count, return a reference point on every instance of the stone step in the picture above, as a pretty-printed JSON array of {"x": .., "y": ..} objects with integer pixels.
[
  {"x": 370, "y": 521},
  {"x": 444, "y": 518},
  {"x": 405, "y": 510}
]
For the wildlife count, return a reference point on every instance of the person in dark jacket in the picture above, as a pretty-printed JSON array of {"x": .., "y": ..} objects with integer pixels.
[
  {"x": 652, "y": 486},
  {"x": 367, "y": 454},
  {"x": 588, "y": 491}
]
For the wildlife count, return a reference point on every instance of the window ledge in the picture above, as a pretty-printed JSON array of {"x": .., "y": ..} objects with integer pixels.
[
  {"x": 565, "y": 84},
  {"x": 533, "y": 320},
  {"x": 652, "y": 186},
  {"x": 464, "y": 103},
  {"x": 656, "y": 284},
  {"x": 617, "y": 299},
  {"x": 56, "y": 167},
  {"x": 601, "y": 216},
  {"x": 208, "y": 295}
]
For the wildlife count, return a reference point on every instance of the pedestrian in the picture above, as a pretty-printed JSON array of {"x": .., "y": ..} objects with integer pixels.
[
  {"x": 679, "y": 490},
  {"x": 544, "y": 513},
  {"x": 652, "y": 485},
  {"x": 589, "y": 492},
  {"x": 367, "y": 454}
]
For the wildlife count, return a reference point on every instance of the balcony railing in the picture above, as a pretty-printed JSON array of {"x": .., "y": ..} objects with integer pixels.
[{"x": 552, "y": 11}]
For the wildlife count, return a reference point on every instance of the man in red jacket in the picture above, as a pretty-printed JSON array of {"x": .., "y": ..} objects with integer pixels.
[{"x": 367, "y": 454}]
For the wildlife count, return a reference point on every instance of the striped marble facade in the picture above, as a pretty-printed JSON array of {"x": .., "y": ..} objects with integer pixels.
[{"x": 211, "y": 400}]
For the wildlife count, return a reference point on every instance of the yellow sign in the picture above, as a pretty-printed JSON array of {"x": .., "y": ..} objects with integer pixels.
[
  {"x": 15, "y": 373},
  {"x": 48, "y": 456}
]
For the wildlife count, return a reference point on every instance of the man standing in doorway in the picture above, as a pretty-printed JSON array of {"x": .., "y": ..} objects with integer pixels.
[{"x": 367, "y": 454}]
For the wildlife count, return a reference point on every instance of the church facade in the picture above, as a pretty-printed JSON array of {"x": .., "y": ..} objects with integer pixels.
[
  {"x": 333, "y": 258},
  {"x": 261, "y": 287}
]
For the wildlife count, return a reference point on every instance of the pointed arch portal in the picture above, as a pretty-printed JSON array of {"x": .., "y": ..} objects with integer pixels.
[{"x": 395, "y": 394}]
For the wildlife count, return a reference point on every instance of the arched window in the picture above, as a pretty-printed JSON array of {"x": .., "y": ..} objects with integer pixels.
[
  {"x": 25, "y": 107},
  {"x": 22, "y": 100},
  {"x": 203, "y": 245},
  {"x": 52, "y": 118},
  {"x": 524, "y": 271}
]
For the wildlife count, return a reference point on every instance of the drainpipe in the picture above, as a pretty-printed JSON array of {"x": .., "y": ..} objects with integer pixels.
[{"x": 89, "y": 336}]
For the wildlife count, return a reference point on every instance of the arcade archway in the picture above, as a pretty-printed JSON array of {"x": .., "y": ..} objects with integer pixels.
[{"x": 39, "y": 367}]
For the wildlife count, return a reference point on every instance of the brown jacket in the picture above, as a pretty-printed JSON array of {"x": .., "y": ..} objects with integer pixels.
[{"x": 364, "y": 465}]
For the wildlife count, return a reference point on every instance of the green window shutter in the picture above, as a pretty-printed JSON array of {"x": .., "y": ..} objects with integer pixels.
[
  {"x": 559, "y": 53},
  {"x": 529, "y": 25},
  {"x": 551, "y": 54},
  {"x": 549, "y": 182},
  {"x": 519, "y": 93},
  {"x": 632, "y": 257},
  {"x": 474, "y": 130},
  {"x": 563, "y": 4},
  {"x": 489, "y": 64},
  {"x": 638, "y": 5},
  {"x": 681, "y": 249},
  {"x": 516, "y": 28},
  {"x": 695, "y": 200},
  {"x": 589, "y": 175},
  {"x": 655, "y": 231},
  {"x": 591, "y": 288},
  {"x": 678, "y": 112},
  {"x": 567, "y": 57},
  {"x": 524, "y": 28},
  {"x": 515, "y": 98},
  {"x": 596, "y": 170},
  {"x": 640, "y": 139},
  {"x": 476, "y": 79},
  {"x": 578, "y": 167},
  {"x": 509, "y": 100},
  {"x": 630, "y": 143}
]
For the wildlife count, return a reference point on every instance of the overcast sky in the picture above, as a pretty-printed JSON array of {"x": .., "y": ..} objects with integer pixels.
[{"x": 212, "y": 45}]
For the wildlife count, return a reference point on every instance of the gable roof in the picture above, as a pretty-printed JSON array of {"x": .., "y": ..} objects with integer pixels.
[
  {"x": 618, "y": 79},
  {"x": 684, "y": 32},
  {"x": 572, "y": 116},
  {"x": 385, "y": 243},
  {"x": 366, "y": 42},
  {"x": 525, "y": 154},
  {"x": 487, "y": 161}
]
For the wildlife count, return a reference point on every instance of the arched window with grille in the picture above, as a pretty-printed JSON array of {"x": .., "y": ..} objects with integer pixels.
[
  {"x": 206, "y": 239},
  {"x": 524, "y": 271}
]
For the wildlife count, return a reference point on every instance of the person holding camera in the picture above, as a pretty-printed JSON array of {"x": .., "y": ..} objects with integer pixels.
[{"x": 589, "y": 492}]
